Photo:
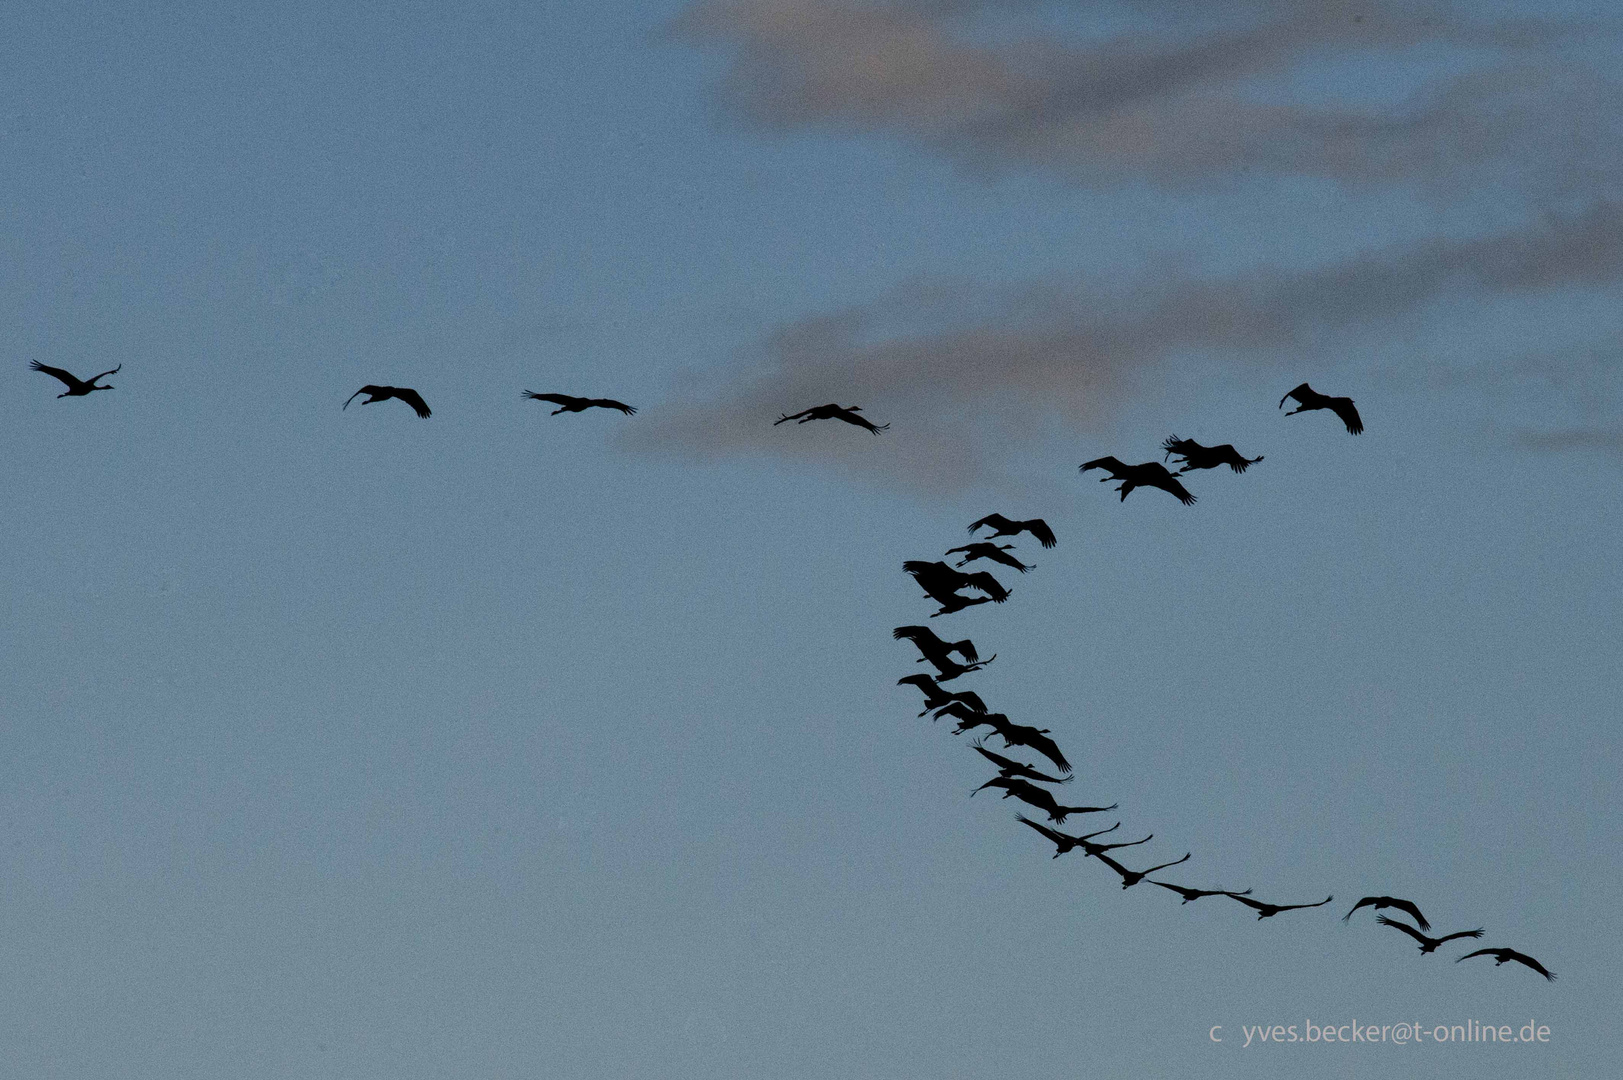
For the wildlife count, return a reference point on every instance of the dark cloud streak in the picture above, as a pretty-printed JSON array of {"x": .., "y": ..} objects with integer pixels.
[{"x": 963, "y": 389}]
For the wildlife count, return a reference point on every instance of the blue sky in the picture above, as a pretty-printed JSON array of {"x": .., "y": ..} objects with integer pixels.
[{"x": 340, "y": 743}]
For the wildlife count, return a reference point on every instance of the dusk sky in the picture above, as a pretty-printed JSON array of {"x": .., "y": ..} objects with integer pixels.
[{"x": 340, "y": 743}]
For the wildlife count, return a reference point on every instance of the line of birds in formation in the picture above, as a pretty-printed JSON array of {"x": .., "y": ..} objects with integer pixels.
[
  {"x": 945, "y": 584},
  {"x": 1150, "y": 474},
  {"x": 77, "y": 387}
]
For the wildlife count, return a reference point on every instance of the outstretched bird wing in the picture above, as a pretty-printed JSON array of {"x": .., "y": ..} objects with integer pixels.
[
  {"x": 1301, "y": 394},
  {"x": 380, "y": 392},
  {"x": 1503, "y": 955},
  {"x": 414, "y": 399},
  {"x": 561, "y": 400},
  {"x": 1405, "y": 927},
  {"x": 104, "y": 374},
  {"x": 1039, "y": 528},
  {"x": 1463, "y": 933},
  {"x": 1171, "y": 485},
  {"x": 1061, "y": 841},
  {"x": 610, "y": 403},
  {"x": 850, "y": 417},
  {"x": 1293, "y": 907},
  {"x": 67, "y": 378},
  {"x": 998, "y": 523},
  {"x": 1343, "y": 407},
  {"x": 1114, "y": 465},
  {"x": 1020, "y": 735}
]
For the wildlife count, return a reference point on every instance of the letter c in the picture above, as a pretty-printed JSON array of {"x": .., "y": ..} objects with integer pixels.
[{"x": 1213, "y": 1033}]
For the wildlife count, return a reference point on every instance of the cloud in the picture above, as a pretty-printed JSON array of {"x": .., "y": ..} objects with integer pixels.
[
  {"x": 967, "y": 373},
  {"x": 1202, "y": 90}
]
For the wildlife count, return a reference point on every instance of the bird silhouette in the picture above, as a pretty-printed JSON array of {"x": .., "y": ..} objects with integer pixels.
[
  {"x": 1380, "y": 902},
  {"x": 1427, "y": 944},
  {"x": 936, "y": 698},
  {"x": 1020, "y": 735},
  {"x": 833, "y": 412},
  {"x": 1310, "y": 398},
  {"x": 1010, "y": 767},
  {"x": 941, "y": 583},
  {"x": 1192, "y": 455},
  {"x": 998, "y": 553},
  {"x": 566, "y": 403},
  {"x": 76, "y": 387},
  {"x": 1041, "y": 798},
  {"x": 1149, "y": 474},
  {"x": 1063, "y": 841},
  {"x": 1002, "y": 526},
  {"x": 970, "y": 718},
  {"x": 1129, "y": 878},
  {"x": 384, "y": 393},
  {"x": 1189, "y": 894},
  {"x": 1268, "y": 911},
  {"x": 1504, "y": 955},
  {"x": 931, "y": 646}
]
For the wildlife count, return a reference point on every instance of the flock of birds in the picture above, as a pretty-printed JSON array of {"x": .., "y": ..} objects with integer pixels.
[{"x": 946, "y": 584}]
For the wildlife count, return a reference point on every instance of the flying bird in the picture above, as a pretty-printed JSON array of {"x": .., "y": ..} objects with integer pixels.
[
  {"x": 1149, "y": 474},
  {"x": 1310, "y": 398},
  {"x": 833, "y": 412},
  {"x": 941, "y": 583},
  {"x": 1041, "y": 798},
  {"x": 1502, "y": 955},
  {"x": 996, "y": 552},
  {"x": 1010, "y": 767},
  {"x": 384, "y": 393},
  {"x": 1189, "y": 894},
  {"x": 948, "y": 669},
  {"x": 937, "y": 698},
  {"x": 76, "y": 387},
  {"x": 1379, "y": 902},
  {"x": 1064, "y": 842},
  {"x": 970, "y": 718},
  {"x": 1427, "y": 944},
  {"x": 1192, "y": 455},
  {"x": 566, "y": 403},
  {"x": 1267, "y": 911},
  {"x": 1021, "y": 735},
  {"x": 932, "y": 646},
  {"x": 1002, "y": 526},
  {"x": 1129, "y": 878}
]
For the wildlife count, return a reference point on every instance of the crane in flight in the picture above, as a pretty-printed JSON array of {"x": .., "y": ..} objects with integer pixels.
[
  {"x": 1010, "y": 767},
  {"x": 566, "y": 403},
  {"x": 1504, "y": 955},
  {"x": 1381, "y": 902},
  {"x": 1064, "y": 842},
  {"x": 76, "y": 387},
  {"x": 1002, "y": 526},
  {"x": 1192, "y": 455},
  {"x": 998, "y": 553},
  {"x": 384, "y": 393},
  {"x": 1129, "y": 878},
  {"x": 937, "y": 698},
  {"x": 1309, "y": 399},
  {"x": 932, "y": 647},
  {"x": 831, "y": 411},
  {"x": 1032, "y": 795},
  {"x": 1427, "y": 944},
  {"x": 1268, "y": 911},
  {"x": 1148, "y": 474},
  {"x": 1189, "y": 894}
]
